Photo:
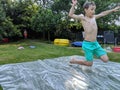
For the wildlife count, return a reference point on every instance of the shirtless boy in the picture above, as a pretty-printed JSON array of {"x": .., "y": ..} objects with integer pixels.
[{"x": 90, "y": 45}]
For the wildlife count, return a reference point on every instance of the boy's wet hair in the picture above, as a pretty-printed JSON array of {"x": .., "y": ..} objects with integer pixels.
[{"x": 87, "y": 4}]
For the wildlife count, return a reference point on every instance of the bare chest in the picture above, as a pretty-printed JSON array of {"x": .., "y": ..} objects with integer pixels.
[{"x": 89, "y": 24}]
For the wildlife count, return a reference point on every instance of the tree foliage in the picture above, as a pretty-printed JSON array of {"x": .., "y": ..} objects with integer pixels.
[
  {"x": 44, "y": 21},
  {"x": 49, "y": 16},
  {"x": 2, "y": 19}
]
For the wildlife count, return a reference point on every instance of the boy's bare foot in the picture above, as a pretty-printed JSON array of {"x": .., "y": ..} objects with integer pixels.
[{"x": 72, "y": 61}]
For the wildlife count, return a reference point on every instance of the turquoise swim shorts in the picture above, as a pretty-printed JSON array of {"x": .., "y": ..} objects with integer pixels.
[{"x": 91, "y": 49}]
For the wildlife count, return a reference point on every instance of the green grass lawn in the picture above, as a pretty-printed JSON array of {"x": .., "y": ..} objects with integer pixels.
[
  {"x": 1, "y": 88},
  {"x": 9, "y": 52}
]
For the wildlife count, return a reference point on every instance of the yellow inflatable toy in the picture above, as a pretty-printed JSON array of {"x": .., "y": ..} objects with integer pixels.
[{"x": 61, "y": 42}]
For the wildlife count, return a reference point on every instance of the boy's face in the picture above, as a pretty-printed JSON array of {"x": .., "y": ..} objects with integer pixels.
[{"x": 90, "y": 11}]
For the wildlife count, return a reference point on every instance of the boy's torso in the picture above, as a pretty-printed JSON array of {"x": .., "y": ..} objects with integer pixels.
[{"x": 90, "y": 28}]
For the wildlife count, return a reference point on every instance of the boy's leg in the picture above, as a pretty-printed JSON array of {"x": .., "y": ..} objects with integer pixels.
[
  {"x": 104, "y": 58},
  {"x": 87, "y": 62},
  {"x": 81, "y": 62},
  {"x": 101, "y": 53}
]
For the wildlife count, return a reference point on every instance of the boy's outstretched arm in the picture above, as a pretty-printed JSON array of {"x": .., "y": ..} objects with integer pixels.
[
  {"x": 104, "y": 13},
  {"x": 72, "y": 10}
]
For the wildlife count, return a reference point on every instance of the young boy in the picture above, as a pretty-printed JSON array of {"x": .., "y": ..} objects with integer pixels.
[{"x": 90, "y": 45}]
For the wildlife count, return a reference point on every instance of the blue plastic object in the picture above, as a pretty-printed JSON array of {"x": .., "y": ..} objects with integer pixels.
[
  {"x": 77, "y": 44},
  {"x": 32, "y": 46}
]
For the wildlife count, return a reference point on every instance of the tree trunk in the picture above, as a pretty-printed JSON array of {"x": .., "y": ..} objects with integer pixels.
[{"x": 48, "y": 35}]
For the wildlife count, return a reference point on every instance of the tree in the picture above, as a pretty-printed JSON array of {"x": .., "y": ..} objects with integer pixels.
[
  {"x": 62, "y": 8},
  {"x": 7, "y": 26},
  {"x": 47, "y": 16},
  {"x": 2, "y": 18},
  {"x": 44, "y": 21},
  {"x": 110, "y": 19}
]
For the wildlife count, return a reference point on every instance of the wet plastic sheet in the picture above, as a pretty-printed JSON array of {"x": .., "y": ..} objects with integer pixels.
[{"x": 57, "y": 74}]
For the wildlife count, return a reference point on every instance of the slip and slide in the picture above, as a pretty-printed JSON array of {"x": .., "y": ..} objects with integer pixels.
[{"x": 57, "y": 74}]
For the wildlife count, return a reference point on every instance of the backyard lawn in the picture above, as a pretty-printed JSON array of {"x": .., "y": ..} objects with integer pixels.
[{"x": 9, "y": 52}]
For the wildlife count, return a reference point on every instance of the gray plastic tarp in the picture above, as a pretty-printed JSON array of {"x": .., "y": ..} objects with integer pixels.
[{"x": 57, "y": 74}]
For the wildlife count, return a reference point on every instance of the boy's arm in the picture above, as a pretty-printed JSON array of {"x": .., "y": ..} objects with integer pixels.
[
  {"x": 104, "y": 13},
  {"x": 72, "y": 10}
]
